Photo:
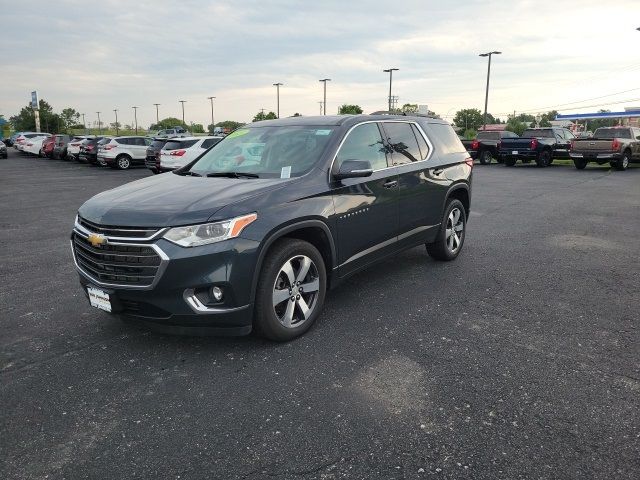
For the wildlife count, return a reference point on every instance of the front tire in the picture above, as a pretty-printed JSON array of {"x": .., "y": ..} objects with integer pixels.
[
  {"x": 291, "y": 290},
  {"x": 450, "y": 239},
  {"x": 123, "y": 162}
]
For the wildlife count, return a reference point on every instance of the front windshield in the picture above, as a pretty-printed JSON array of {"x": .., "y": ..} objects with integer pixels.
[{"x": 272, "y": 152}]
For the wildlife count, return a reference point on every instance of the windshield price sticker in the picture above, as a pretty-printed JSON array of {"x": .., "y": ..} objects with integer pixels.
[
  {"x": 238, "y": 133},
  {"x": 285, "y": 172},
  {"x": 323, "y": 132}
]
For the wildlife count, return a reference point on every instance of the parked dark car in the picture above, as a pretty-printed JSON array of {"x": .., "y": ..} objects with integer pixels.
[
  {"x": 89, "y": 149},
  {"x": 540, "y": 144},
  {"x": 3, "y": 150},
  {"x": 486, "y": 146},
  {"x": 60, "y": 146},
  {"x": 229, "y": 243},
  {"x": 616, "y": 145},
  {"x": 152, "y": 151}
]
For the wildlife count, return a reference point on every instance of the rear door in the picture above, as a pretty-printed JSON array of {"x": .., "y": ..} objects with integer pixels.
[
  {"x": 139, "y": 148},
  {"x": 366, "y": 208}
]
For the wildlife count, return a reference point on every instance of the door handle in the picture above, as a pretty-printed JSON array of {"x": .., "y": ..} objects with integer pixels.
[
  {"x": 390, "y": 184},
  {"x": 438, "y": 171}
]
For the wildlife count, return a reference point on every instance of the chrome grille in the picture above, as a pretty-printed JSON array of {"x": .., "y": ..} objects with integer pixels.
[
  {"x": 117, "y": 264},
  {"x": 120, "y": 232}
]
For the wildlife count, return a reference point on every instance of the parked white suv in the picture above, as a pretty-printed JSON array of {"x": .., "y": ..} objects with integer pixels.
[
  {"x": 123, "y": 152},
  {"x": 18, "y": 144},
  {"x": 177, "y": 152},
  {"x": 172, "y": 133}
]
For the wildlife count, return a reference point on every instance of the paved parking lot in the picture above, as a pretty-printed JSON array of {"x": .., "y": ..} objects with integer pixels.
[{"x": 519, "y": 360}]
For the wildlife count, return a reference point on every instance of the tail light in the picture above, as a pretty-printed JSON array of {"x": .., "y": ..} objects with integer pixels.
[
  {"x": 178, "y": 153},
  {"x": 572, "y": 144},
  {"x": 615, "y": 145},
  {"x": 534, "y": 143},
  {"x": 109, "y": 147},
  {"x": 469, "y": 161},
  {"x": 89, "y": 147},
  {"x": 475, "y": 144}
]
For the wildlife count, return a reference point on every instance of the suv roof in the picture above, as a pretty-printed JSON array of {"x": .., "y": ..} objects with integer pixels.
[{"x": 335, "y": 120}]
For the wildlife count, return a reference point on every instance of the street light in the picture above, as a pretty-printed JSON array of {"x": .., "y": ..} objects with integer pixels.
[
  {"x": 157, "y": 116},
  {"x": 486, "y": 95},
  {"x": 390, "y": 72},
  {"x": 99, "y": 126},
  {"x": 325, "y": 80},
  {"x": 321, "y": 103},
  {"x": 135, "y": 116},
  {"x": 183, "y": 102},
  {"x": 84, "y": 124},
  {"x": 116, "y": 112},
  {"x": 213, "y": 125},
  {"x": 278, "y": 85}
]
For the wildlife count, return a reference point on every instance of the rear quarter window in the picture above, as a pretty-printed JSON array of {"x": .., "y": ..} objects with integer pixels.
[
  {"x": 446, "y": 138},
  {"x": 174, "y": 145},
  {"x": 210, "y": 142}
]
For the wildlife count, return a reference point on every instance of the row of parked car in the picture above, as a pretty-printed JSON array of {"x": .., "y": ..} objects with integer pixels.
[
  {"x": 160, "y": 154},
  {"x": 617, "y": 146}
]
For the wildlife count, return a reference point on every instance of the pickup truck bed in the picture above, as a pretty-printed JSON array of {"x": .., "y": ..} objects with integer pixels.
[{"x": 617, "y": 146}]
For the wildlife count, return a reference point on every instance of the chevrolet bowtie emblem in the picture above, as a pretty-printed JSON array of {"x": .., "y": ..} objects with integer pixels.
[{"x": 96, "y": 239}]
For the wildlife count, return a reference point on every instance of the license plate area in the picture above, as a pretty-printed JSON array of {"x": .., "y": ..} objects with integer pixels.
[
  {"x": 514, "y": 152},
  {"x": 99, "y": 298}
]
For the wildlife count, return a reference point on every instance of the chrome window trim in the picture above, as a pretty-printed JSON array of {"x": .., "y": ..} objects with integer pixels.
[
  {"x": 413, "y": 122},
  {"x": 87, "y": 232},
  {"x": 164, "y": 261}
]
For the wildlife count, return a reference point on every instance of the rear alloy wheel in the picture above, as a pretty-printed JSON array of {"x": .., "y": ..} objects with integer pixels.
[
  {"x": 291, "y": 290},
  {"x": 485, "y": 157},
  {"x": 544, "y": 159},
  {"x": 580, "y": 163},
  {"x": 123, "y": 162},
  {"x": 623, "y": 162},
  {"x": 450, "y": 238}
]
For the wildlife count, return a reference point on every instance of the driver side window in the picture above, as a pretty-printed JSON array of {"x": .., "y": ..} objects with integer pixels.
[{"x": 364, "y": 142}]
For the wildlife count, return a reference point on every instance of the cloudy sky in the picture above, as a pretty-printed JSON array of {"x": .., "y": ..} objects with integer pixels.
[{"x": 575, "y": 56}]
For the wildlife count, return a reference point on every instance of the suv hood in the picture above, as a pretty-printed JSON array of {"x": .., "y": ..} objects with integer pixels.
[{"x": 169, "y": 200}]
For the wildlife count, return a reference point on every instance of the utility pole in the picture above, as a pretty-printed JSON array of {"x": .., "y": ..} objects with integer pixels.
[
  {"x": 135, "y": 116},
  {"x": 278, "y": 85},
  {"x": 157, "y": 116},
  {"x": 183, "y": 102},
  {"x": 321, "y": 103},
  {"x": 99, "y": 125},
  {"x": 325, "y": 80},
  {"x": 390, "y": 72},
  {"x": 84, "y": 124},
  {"x": 213, "y": 125},
  {"x": 486, "y": 95},
  {"x": 116, "y": 112}
]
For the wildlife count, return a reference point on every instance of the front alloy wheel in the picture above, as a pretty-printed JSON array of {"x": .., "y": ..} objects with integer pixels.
[
  {"x": 291, "y": 290},
  {"x": 123, "y": 162}
]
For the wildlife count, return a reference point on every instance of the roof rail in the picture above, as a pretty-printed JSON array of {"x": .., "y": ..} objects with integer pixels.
[{"x": 403, "y": 114}]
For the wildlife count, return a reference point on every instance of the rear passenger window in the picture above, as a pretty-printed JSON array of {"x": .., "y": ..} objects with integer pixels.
[
  {"x": 402, "y": 142},
  {"x": 422, "y": 143},
  {"x": 209, "y": 142},
  {"x": 364, "y": 142},
  {"x": 139, "y": 141},
  {"x": 446, "y": 137},
  {"x": 122, "y": 141}
]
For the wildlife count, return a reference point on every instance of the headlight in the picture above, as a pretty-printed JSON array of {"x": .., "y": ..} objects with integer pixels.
[{"x": 195, "y": 235}]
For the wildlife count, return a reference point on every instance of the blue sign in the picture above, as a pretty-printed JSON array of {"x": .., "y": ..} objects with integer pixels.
[{"x": 34, "y": 99}]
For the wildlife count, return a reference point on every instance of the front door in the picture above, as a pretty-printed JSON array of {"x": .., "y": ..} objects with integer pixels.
[{"x": 366, "y": 208}]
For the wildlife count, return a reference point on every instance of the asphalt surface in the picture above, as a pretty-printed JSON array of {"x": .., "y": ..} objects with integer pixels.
[{"x": 520, "y": 360}]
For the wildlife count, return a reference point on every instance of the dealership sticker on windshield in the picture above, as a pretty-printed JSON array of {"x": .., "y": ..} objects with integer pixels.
[
  {"x": 285, "y": 172},
  {"x": 323, "y": 132},
  {"x": 238, "y": 133}
]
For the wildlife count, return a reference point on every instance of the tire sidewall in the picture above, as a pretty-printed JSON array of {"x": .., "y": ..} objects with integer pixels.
[
  {"x": 128, "y": 162},
  {"x": 266, "y": 322},
  {"x": 439, "y": 248},
  {"x": 485, "y": 157},
  {"x": 543, "y": 159}
]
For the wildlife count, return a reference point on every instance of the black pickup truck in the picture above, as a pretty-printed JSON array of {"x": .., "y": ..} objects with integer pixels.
[
  {"x": 540, "y": 144},
  {"x": 486, "y": 146}
]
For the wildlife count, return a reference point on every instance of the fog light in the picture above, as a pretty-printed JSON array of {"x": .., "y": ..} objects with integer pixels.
[{"x": 217, "y": 293}]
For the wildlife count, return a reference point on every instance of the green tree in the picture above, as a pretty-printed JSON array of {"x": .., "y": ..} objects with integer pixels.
[
  {"x": 409, "y": 108},
  {"x": 262, "y": 116},
  {"x": 196, "y": 128},
  {"x": 230, "y": 124},
  {"x": 69, "y": 117},
  {"x": 516, "y": 126},
  {"x": 297, "y": 114},
  {"x": 601, "y": 122},
  {"x": 468, "y": 119},
  {"x": 168, "y": 122},
  {"x": 346, "y": 109},
  {"x": 49, "y": 122}
]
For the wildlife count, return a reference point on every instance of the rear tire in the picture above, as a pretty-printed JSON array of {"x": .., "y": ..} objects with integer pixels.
[
  {"x": 485, "y": 157},
  {"x": 580, "y": 163},
  {"x": 509, "y": 161},
  {"x": 623, "y": 162},
  {"x": 123, "y": 162},
  {"x": 544, "y": 159},
  {"x": 289, "y": 265},
  {"x": 450, "y": 238}
]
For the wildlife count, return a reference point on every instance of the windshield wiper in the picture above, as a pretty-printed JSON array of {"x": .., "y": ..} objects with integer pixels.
[
  {"x": 189, "y": 173},
  {"x": 233, "y": 175}
]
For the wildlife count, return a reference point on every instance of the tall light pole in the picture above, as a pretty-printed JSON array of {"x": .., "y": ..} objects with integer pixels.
[
  {"x": 157, "y": 115},
  {"x": 135, "y": 116},
  {"x": 486, "y": 95},
  {"x": 116, "y": 112},
  {"x": 183, "y": 102},
  {"x": 212, "y": 122},
  {"x": 325, "y": 80},
  {"x": 84, "y": 124},
  {"x": 277, "y": 85},
  {"x": 321, "y": 103},
  {"x": 99, "y": 125},
  {"x": 390, "y": 72}
]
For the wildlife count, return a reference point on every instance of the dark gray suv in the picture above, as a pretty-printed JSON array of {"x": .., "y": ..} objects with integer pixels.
[{"x": 253, "y": 233}]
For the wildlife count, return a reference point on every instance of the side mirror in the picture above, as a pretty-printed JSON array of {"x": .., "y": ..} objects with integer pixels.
[{"x": 354, "y": 169}]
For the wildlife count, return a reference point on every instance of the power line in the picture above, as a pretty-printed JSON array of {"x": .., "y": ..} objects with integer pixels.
[{"x": 577, "y": 108}]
